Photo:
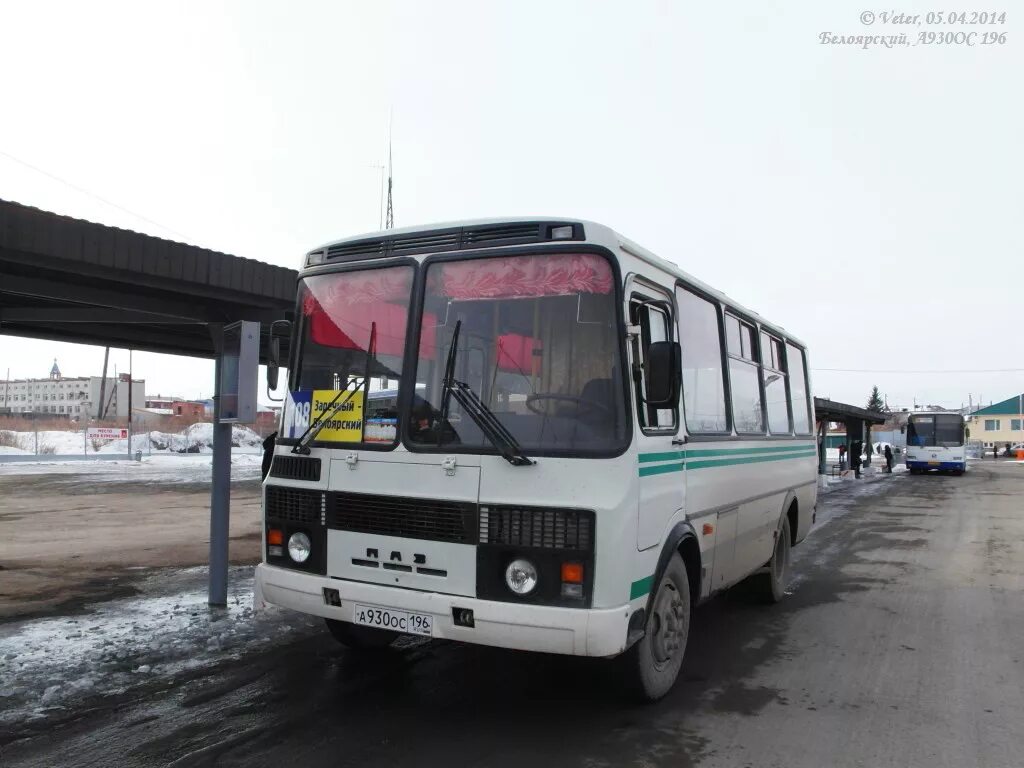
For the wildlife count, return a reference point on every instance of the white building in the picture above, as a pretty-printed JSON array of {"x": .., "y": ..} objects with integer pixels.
[{"x": 71, "y": 398}]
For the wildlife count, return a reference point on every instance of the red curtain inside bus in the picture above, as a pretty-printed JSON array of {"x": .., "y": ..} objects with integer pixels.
[{"x": 559, "y": 274}]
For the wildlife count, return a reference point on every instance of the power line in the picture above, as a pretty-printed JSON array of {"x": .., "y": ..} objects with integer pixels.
[
  {"x": 923, "y": 371},
  {"x": 93, "y": 195}
]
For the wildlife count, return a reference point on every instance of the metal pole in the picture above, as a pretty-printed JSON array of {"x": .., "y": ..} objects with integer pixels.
[
  {"x": 129, "y": 403},
  {"x": 220, "y": 491}
]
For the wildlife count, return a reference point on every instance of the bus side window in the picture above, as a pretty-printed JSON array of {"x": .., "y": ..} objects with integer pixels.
[
  {"x": 655, "y": 325},
  {"x": 798, "y": 390},
  {"x": 773, "y": 372},
  {"x": 744, "y": 375},
  {"x": 703, "y": 372}
]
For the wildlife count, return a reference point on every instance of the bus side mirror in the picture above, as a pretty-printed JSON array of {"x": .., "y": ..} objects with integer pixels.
[
  {"x": 277, "y": 329},
  {"x": 274, "y": 364},
  {"x": 967, "y": 432},
  {"x": 664, "y": 373}
]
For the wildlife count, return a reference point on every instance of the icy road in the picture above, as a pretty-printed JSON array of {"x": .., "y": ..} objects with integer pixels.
[{"x": 900, "y": 644}]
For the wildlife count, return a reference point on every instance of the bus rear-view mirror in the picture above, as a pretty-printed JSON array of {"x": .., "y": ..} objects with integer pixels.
[
  {"x": 277, "y": 328},
  {"x": 664, "y": 373}
]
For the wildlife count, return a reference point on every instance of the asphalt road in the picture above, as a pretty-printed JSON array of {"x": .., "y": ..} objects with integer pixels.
[{"x": 901, "y": 644}]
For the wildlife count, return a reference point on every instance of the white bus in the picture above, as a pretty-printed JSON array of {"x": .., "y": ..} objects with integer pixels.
[
  {"x": 936, "y": 440},
  {"x": 585, "y": 442}
]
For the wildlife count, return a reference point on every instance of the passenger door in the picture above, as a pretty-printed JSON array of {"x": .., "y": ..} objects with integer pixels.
[{"x": 660, "y": 459}]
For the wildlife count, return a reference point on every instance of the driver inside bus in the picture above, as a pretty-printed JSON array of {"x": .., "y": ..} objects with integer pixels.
[{"x": 425, "y": 422}]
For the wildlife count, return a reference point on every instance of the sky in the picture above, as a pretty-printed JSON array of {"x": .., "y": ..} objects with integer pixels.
[{"x": 868, "y": 200}]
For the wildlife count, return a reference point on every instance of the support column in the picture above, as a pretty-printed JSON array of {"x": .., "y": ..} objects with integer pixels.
[
  {"x": 822, "y": 439},
  {"x": 854, "y": 434},
  {"x": 220, "y": 490}
]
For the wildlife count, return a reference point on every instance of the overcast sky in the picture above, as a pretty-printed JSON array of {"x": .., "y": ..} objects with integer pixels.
[{"x": 870, "y": 201}]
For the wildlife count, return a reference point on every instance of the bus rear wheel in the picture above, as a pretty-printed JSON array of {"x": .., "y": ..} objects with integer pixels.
[
  {"x": 772, "y": 585},
  {"x": 360, "y": 638},
  {"x": 650, "y": 667}
]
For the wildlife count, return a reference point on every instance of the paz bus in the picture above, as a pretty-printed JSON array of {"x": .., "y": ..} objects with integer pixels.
[
  {"x": 936, "y": 440},
  {"x": 532, "y": 434}
]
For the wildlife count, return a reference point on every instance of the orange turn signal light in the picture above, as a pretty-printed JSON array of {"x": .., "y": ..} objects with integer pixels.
[
  {"x": 275, "y": 537},
  {"x": 572, "y": 573},
  {"x": 708, "y": 529}
]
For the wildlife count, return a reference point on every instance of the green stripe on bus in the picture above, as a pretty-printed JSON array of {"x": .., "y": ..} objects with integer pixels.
[
  {"x": 667, "y": 456},
  {"x": 640, "y": 588},
  {"x": 748, "y": 460},
  {"x": 726, "y": 458},
  {"x": 661, "y": 469},
  {"x": 743, "y": 451}
]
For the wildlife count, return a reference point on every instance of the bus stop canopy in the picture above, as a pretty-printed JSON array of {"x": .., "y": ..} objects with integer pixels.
[
  {"x": 830, "y": 410},
  {"x": 71, "y": 280},
  {"x": 66, "y": 279}
]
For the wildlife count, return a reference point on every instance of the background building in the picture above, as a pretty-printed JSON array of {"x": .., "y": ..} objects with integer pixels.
[
  {"x": 71, "y": 398},
  {"x": 999, "y": 423}
]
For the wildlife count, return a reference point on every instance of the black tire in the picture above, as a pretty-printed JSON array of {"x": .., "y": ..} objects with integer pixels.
[
  {"x": 772, "y": 585},
  {"x": 650, "y": 667},
  {"x": 360, "y": 638}
]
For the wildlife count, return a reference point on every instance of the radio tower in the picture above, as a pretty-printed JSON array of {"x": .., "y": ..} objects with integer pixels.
[{"x": 389, "y": 222}]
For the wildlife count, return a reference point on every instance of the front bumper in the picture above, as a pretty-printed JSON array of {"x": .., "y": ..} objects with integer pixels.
[
  {"x": 570, "y": 631},
  {"x": 943, "y": 465}
]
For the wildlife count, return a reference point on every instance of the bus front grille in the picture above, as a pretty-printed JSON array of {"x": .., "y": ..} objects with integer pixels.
[
  {"x": 293, "y": 505},
  {"x": 296, "y": 468},
  {"x": 537, "y": 527},
  {"x": 410, "y": 518}
]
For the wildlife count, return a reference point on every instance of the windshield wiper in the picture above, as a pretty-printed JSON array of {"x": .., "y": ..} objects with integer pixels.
[
  {"x": 334, "y": 406},
  {"x": 496, "y": 432}
]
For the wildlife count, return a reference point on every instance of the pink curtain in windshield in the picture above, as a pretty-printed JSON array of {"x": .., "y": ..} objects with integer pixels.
[
  {"x": 342, "y": 309},
  {"x": 560, "y": 274}
]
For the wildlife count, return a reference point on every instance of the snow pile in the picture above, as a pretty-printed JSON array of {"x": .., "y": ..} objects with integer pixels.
[
  {"x": 8, "y": 450},
  {"x": 52, "y": 665},
  {"x": 197, "y": 438},
  {"x": 159, "y": 469}
]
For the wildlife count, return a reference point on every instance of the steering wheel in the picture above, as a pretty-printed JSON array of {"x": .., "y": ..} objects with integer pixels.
[{"x": 581, "y": 404}]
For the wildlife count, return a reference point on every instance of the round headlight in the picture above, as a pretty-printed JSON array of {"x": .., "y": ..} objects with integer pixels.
[
  {"x": 299, "y": 547},
  {"x": 521, "y": 576}
]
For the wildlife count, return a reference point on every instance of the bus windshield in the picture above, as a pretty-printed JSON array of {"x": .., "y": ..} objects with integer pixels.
[
  {"x": 939, "y": 430},
  {"x": 537, "y": 345},
  {"x": 351, "y": 335}
]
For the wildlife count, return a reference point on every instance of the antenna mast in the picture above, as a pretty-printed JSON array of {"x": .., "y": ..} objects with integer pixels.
[{"x": 389, "y": 222}]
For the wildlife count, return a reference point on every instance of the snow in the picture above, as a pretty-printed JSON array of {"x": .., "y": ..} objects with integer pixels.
[
  {"x": 156, "y": 469},
  {"x": 6, "y": 450},
  {"x": 53, "y": 664},
  {"x": 197, "y": 438}
]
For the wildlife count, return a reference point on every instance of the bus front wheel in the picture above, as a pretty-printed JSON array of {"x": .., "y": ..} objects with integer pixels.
[
  {"x": 360, "y": 638},
  {"x": 652, "y": 664}
]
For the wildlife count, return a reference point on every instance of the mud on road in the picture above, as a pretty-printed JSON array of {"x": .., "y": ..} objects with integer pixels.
[
  {"x": 66, "y": 539},
  {"x": 899, "y": 644}
]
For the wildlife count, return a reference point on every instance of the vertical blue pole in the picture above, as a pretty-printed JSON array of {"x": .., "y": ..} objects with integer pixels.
[{"x": 220, "y": 492}]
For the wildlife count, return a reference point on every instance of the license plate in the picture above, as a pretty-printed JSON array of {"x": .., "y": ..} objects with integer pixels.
[{"x": 395, "y": 620}]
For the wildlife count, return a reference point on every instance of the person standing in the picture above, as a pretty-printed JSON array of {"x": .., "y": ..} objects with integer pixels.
[
  {"x": 842, "y": 457},
  {"x": 855, "y": 450},
  {"x": 888, "y": 459}
]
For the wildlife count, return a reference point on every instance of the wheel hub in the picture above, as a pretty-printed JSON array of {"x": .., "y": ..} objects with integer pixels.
[{"x": 667, "y": 623}]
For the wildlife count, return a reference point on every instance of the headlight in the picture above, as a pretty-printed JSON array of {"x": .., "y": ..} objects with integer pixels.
[
  {"x": 299, "y": 547},
  {"x": 521, "y": 576}
]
